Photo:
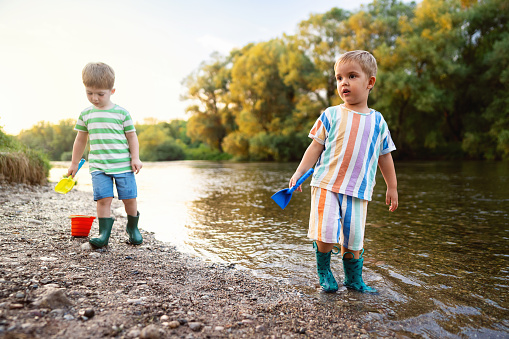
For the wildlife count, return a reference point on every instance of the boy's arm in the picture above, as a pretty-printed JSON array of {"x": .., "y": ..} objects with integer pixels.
[
  {"x": 309, "y": 159},
  {"x": 77, "y": 152},
  {"x": 389, "y": 173},
  {"x": 134, "y": 149}
]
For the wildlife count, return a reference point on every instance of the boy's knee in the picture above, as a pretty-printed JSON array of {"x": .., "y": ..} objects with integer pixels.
[
  {"x": 105, "y": 201},
  {"x": 129, "y": 201}
]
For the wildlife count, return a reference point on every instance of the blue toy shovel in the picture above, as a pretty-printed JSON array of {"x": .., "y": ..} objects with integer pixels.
[{"x": 282, "y": 198}]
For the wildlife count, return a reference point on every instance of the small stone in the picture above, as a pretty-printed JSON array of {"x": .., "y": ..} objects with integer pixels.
[
  {"x": 195, "y": 326},
  {"x": 94, "y": 255},
  {"x": 26, "y": 326},
  {"x": 36, "y": 314},
  {"x": 20, "y": 295},
  {"x": 260, "y": 328},
  {"x": 48, "y": 258},
  {"x": 52, "y": 286},
  {"x": 34, "y": 221},
  {"x": 68, "y": 317},
  {"x": 173, "y": 324},
  {"x": 134, "y": 333},
  {"x": 15, "y": 306},
  {"x": 164, "y": 318},
  {"x": 53, "y": 298},
  {"x": 219, "y": 328},
  {"x": 86, "y": 247},
  {"x": 134, "y": 301},
  {"x": 151, "y": 332},
  {"x": 89, "y": 313},
  {"x": 247, "y": 321},
  {"x": 57, "y": 312}
]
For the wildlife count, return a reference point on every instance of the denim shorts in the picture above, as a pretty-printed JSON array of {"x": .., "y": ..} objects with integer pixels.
[{"x": 103, "y": 185}]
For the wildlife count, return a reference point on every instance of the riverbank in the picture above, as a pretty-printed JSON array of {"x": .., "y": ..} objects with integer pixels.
[{"x": 53, "y": 285}]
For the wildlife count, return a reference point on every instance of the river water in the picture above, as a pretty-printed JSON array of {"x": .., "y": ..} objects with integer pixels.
[{"x": 440, "y": 262}]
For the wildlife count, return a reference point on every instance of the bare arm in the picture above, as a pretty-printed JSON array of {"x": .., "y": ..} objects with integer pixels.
[
  {"x": 386, "y": 165},
  {"x": 134, "y": 149},
  {"x": 77, "y": 152},
  {"x": 309, "y": 159}
]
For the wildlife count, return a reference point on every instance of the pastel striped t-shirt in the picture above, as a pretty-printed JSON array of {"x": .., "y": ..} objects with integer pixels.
[
  {"x": 109, "y": 149},
  {"x": 353, "y": 142}
]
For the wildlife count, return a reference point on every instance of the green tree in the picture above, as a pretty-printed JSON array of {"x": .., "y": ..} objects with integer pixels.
[
  {"x": 157, "y": 145},
  {"x": 211, "y": 117},
  {"x": 485, "y": 84},
  {"x": 52, "y": 139}
]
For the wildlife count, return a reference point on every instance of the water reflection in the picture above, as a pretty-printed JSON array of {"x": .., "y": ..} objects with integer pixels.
[{"x": 440, "y": 261}]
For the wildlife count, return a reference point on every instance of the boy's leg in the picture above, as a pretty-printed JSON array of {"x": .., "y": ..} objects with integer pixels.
[
  {"x": 131, "y": 206},
  {"x": 324, "y": 247},
  {"x": 349, "y": 253},
  {"x": 127, "y": 192},
  {"x": 353, "y": 221},
  {"x": 103, "y": 194},
  {"x": 104, "y": 207},
  {"x": 323, "y": 226}
]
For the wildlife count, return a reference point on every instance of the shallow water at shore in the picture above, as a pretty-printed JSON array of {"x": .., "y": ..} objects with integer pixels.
[{"x": 440, "y": 262}]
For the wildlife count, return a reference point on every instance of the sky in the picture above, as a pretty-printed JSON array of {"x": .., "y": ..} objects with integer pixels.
[{"x": 151, "y": 44}]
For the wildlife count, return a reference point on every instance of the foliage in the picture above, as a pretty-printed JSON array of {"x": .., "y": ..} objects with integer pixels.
[
  {"x": 442, "y": 82},
  {"x": 51, "y": 139},
  {"x": 18, "y": 163}
]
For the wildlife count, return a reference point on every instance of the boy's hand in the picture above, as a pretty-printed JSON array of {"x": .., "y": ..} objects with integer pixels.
[
  {"x": 72, "y": 170},
  {"x": 294, "y": 180},
  {"x": 136, "y": 165},
  {"x": 391, "y": 199}
]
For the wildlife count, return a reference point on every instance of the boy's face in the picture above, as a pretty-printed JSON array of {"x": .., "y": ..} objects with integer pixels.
[
  {"x": 100, "y": 98},
  {"x": 353, "y": 86}
]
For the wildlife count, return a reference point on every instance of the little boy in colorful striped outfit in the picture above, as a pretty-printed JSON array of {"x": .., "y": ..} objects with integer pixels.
[
  {"x": 114, "y": 152},
  {"x": 349, "y": 141}
]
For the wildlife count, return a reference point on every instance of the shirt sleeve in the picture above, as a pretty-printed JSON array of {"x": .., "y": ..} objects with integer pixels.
[
  {"x": 128, "y": 123},
  {"x": 80, "y": 124},
  {"x": 320, "y": 130},
  {"x": 387, "y": 144}
]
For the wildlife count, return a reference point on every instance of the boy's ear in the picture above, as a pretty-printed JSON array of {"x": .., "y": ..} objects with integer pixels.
[
  {"x": 371, "y": 82},
  {"x": 112, "y": 91}
]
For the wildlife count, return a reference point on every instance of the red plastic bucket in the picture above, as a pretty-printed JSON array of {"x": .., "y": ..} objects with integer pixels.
[{"x": 80, "y": 225}]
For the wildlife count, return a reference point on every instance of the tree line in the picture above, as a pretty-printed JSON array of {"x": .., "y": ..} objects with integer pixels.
[
  {"x": 159, "y": 141},
  {"x": 442, "y": 81},
  {"x": 442, "y": 84}
]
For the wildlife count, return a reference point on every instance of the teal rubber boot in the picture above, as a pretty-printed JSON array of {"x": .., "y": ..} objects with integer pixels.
[
  {"x": 135, "y": 237},
  {"x": 353, "y": 274},
  {"x": 325, "y": 275},
  {"x": 105, "y": 225}
]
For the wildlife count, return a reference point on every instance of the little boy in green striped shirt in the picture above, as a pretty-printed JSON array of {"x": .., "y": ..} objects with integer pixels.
[{"x": 114, "y": 152}]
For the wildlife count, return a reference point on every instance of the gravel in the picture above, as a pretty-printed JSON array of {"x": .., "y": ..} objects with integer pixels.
[{"x": 53, "y": 285}]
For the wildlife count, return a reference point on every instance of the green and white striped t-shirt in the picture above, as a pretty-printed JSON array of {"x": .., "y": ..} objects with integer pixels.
[{"x": 109, "y": 149}]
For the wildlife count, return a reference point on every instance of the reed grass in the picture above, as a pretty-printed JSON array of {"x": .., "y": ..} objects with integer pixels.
[{"x": 21, "y": 164}]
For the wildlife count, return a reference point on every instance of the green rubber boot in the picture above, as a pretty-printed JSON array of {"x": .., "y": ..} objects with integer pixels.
[
  {"x": 353, "y": 274},
  {"x": 325, "y": 275},
  {"x": 135, "y": 237},
  {"x": 105, "y": 225}
]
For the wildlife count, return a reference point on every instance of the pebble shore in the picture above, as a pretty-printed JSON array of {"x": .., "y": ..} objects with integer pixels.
[{"x": 53, "y": 285}]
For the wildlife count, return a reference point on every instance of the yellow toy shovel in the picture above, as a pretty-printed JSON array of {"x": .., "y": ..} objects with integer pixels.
[{"x": 66, "y": 184}]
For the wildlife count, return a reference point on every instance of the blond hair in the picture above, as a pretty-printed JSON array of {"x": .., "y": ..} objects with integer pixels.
[
  {"x": 98, "y": 75},
  {"x": 365, "y": 59}
]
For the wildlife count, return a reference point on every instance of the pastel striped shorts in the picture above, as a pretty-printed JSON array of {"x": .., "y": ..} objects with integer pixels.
[{"x": 337, "y": 218}]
